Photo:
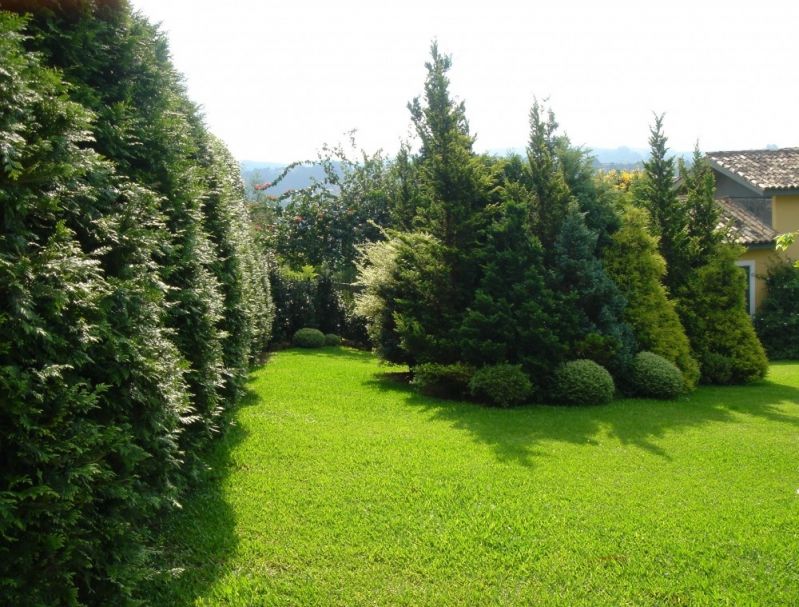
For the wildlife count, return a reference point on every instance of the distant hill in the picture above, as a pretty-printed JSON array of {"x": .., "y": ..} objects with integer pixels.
[
  {"x": 253, "y": 173},
  {"x": 256, "y": 172}
]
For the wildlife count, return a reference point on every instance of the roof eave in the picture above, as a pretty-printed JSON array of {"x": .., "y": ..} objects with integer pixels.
[{"x": 735, "y": 176}]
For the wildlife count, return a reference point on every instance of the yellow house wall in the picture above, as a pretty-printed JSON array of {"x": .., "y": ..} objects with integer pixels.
[
  {"x": 785, "y": 218},
  {"x": 762, "y": 259}
]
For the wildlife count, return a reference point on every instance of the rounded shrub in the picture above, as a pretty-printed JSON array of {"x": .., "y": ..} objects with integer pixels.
[
  {"x": 308, "y": 338},
  {"x": 503, "y": 385},
  {"x": 331, "y": 339},
  {"x": 443, "y": 381},
  {"x": 583, "y": 382},
  {"x": 656, "y": 377}
]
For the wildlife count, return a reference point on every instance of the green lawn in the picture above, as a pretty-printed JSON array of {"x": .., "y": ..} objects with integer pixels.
[{"x": 338, "y": 486}]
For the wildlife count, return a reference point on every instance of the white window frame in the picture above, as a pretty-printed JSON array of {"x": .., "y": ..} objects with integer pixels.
[{"x": 750, "y": 265}]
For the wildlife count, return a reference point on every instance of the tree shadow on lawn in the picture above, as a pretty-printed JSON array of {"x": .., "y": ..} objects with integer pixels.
[
  {"x": 518, "y": 434},
  {"x": 196, "y": 541}
]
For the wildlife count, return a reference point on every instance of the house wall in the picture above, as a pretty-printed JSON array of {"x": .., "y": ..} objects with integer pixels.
[
  {"x": 761, "y": 260},
  {"x": 785, "y": 217}
]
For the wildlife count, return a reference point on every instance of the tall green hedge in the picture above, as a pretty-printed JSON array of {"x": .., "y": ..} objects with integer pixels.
[{"x": 129, "y": 307}]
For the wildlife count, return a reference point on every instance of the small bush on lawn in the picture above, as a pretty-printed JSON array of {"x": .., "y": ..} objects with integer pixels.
[
  {"x": 503, "y": 385},
  {"x": 444, "y": 381},
  {"x": 583, "y": 382},
  {"x": 656, "y": 377},
  {"x": 331, "y": 339},
  {"x": 308, "y": 338}
]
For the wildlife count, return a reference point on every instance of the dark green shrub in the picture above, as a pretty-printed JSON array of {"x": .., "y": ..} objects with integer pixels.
[
  {"x": 331, "y": 339},
  {"x": 777, "y": 320},
  {"x": 582, "y": 382},
  {"x": 713, "y": 312},
  {"x": 503, "y": 385},
  {"x": 654, "y": 376},
  {"x": 443, "y": 381},
  {"x": 308, "y": 338}
]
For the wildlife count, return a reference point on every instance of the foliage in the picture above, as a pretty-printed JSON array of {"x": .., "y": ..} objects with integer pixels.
[
  {"x": 322, "y": 225},
  {"x": 702, "y": 232},
  {"x": 503, "y": 385},
  {"x": 400, "y": 282},
  {"x": 720, "y": 330},
  {"x": 93, "y": 389},
  {"x": 654, "y": 376},
  {"x": 701, "y": 270},
  {"x": 308, "y": 338},
  {"x": 444, "y": 381},
  {"x": 551, "y": 197},
  {"x": 633, "y": 262},
  {"x": 307, "y": 298},
  {"x": 656, "y": 192},
  {"x": 511, "y": 316},
  {"x": 591, "y": 306},
  {"x": 582, "y": 382},
  {"x": 452, "y": 182},
  {"x": 131, "y": 299},
  {"x": 331, "y": 339},
  {"x": 777, "y": 320}
]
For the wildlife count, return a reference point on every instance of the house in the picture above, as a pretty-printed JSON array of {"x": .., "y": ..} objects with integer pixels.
[{"x": 758, "y": 192}]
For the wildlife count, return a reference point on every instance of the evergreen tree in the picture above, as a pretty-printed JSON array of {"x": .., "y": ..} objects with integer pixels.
[
  {"x": 712, "y": 309},
  {"x": 777, "y": 320},
  {"x": 92, "y": 388},
  {"x": 510, "y": 318},
  {"x": 633, "y": 262},
  {"x": 657, "y": 193},
  {"x": 702, "y": 232},
  {"x": 551, "y": 195},
  {"x": 118, "y": 65},
  {"x": 594, "y": 198},
  {"x": 591, "y": 308},
  {"x": 453, "y": 186}
]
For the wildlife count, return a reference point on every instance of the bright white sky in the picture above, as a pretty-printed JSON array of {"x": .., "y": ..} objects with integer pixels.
[{"x": 279, "y": 79}]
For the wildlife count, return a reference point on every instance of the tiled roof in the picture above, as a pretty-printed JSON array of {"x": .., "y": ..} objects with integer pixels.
[
  {"x": 765, "y": 169},
  {"x": 745, "y": 228}
]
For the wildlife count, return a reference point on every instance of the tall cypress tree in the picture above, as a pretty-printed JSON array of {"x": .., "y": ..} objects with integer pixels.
[
  {"x": 551, "y": 194},
  {"x": 453, "y": 184},
  {"x": 657, "y": 193}
]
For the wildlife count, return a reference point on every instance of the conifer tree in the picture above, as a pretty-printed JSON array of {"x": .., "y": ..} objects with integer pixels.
[
  {"x": 551, "y": 194},
  {"x": 698, "y": 186},
  {"x": 722, "y": 337},
  {"x": 590, "y": 306},
  {"x": 452, "y": 185},
  {"x": 701, "y": 271},
  {"x": 657, "y": 193},
  {"x": 510, "y": 316},
  {"x": 633, "y": 262},
  {"x": 93, "y": 390},
  {"x": 149, "y": 129}
]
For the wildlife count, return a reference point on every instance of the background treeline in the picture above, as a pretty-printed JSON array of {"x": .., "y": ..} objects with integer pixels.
[{"x": 133, "y": 298}]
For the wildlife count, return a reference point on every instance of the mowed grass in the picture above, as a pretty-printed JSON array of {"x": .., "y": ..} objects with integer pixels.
[{"x": 339, "y": 486}]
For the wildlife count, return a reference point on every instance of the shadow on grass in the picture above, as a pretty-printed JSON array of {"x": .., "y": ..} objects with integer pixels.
[
  {"x": 196, "y": 541},
  {"x": 517, "y": 434}
]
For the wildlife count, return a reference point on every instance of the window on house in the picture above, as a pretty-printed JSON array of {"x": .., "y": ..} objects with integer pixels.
[{"x": 748, "y": 268}]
